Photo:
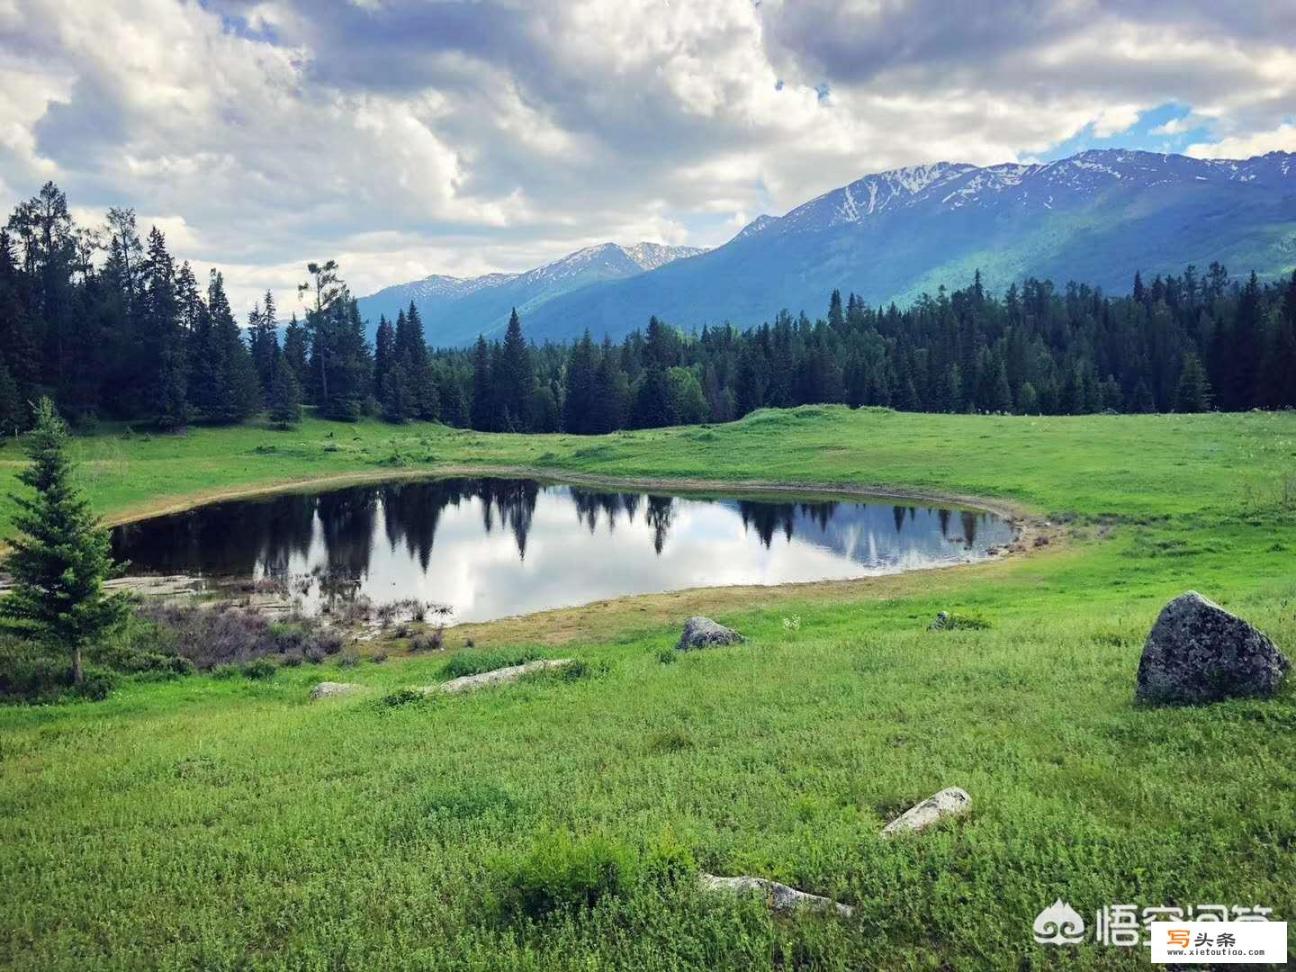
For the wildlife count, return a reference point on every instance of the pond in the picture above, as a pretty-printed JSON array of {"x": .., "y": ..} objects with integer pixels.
[{"x": 490, "y": 548}]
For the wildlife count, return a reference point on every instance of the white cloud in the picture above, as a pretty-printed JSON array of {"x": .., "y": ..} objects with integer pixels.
[
  {"x": 407, "y": 138},
  {"x": 1280, "y": 139}
]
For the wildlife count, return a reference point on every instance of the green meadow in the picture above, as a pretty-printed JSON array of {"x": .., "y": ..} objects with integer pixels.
[{"x": 229, "y": 823}]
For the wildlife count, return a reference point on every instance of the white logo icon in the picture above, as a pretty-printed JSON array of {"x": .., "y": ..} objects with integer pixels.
[{"x": 1059, "y": 924}]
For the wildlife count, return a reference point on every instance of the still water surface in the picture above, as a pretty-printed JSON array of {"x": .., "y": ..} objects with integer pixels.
[{"x": 490, "y": 548}]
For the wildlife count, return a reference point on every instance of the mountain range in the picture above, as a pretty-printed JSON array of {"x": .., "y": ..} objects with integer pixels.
[
  {"x": 455, "y": 310},
  {"x": 1094, "y": 217}
]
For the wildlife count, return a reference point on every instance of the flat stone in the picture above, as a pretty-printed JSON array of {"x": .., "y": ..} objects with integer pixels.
[
  {"x": 702, "y": 632},
  {"x": 780, "y": 898},
  {"x": 333, "y": 690},
  {"x": 947, "y": 804},
  {"x": 499, "y": 676},
  {"x": 1198, "y": 652}
]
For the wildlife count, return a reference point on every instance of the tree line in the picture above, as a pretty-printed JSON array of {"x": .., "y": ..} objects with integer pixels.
[{"x": 106, "y": 323}]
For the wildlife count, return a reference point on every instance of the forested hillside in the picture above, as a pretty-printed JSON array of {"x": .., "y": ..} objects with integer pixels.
[{"x": 111, "y": 327}]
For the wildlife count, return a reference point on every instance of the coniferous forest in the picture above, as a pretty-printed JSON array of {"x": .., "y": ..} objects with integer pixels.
[{"x": 105, "y": 322}]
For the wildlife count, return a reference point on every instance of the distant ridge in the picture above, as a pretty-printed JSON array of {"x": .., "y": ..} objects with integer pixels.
[
  {"x": 1095, "y": 217},
  {"x": 456, "y": 309}
]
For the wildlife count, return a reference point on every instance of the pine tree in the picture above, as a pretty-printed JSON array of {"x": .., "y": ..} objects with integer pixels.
[
  {"x": 384, "y": 354},
  {"x": 285, "y": 395},
  {"x": 12, "y": 417},
  {"x": 653, "y": 407},
  {"x": 230, "y": 390},
  {"x": 295, "y": 348},
  {"x": 578, "y": 400},
  {"x": 61, "y": 557},
  {"x": 396, "y": 398},
  {"x": 515, "y": 380},
  {"x": 263, "y": 341},
  {"x": 1194, "y": 394},
  {"x": 482, "y": 411}
]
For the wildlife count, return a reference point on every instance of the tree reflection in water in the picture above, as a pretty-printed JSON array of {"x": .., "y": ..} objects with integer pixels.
[{"x": 420, "y": 538}]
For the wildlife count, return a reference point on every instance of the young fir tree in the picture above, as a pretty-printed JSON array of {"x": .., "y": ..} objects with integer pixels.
[
  {"x": 1194, "y": 394},
  {"x": 285, "y": 394},
  {"x": 60, "y": 557}
]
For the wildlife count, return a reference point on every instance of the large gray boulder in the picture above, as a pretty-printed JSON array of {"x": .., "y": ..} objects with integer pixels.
[
  {"x": 1198, "y": 652},
  {"x": 702, "y": 632}
]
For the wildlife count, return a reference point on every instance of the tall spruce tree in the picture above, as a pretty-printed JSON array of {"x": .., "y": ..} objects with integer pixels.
[
  {"x": 60, "y": 556},
  {"x": 263, "y": 341},
  {"x": 515, "y": 381},
  {"x": 482, "y": 412}
]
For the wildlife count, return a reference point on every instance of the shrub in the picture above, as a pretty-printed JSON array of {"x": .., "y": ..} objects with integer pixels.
[
  {"x": 349, "y": 660},
  {"x": 476, "y": 662},
  {"x": 953, "y": 621},
  {"x": 428, "y": 641},
  {"x": 404, "y": 696},
  {"x": 225, "y": 634},
  {"x": 562, "y": 874},
  {"x": 29, "y": 673},
  {"x": 667, "y": 656},
  {"x": 260, "y": 669}
]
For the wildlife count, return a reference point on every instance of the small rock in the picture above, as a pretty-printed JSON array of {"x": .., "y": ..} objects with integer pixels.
[
  {"x": 1198, "y": 652},
  {"x": 780, "y": 898},
  {"x": 940, "y": 622},
  {"x": 1041, "y": 541},
  {"x": 702, "y": 632},
  {"x": 333, "y": 690},
  {"x": 498, "y": 676},
  {"x": 950, "y": 802}
]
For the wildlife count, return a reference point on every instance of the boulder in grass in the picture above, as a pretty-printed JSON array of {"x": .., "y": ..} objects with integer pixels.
[
  {"x": 333, "y": 690},
  {"x": 702, "y": 632},
  {"x": 1198, "y": 652},
  {"x": 948, "y": 803},
  {"x": 780, "y": 898},
  {"x": 498, "y": 676}
]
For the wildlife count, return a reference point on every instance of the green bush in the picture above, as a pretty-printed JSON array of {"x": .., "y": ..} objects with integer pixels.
[
  {"x": 562, "y": 874},
  {"x": 953, "y": 621},
  {"x": 404, "y": 696},
  {"x": 31, "y": 673},
  {"x": 260, "y": 669},
  {"x": 476, "y": 662}
]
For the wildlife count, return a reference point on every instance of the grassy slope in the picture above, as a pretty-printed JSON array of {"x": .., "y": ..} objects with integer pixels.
[{"x": 223, "y": 824}]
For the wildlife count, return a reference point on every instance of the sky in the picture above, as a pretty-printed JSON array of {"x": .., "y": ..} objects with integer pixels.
[{"x": 410, "y": 137}]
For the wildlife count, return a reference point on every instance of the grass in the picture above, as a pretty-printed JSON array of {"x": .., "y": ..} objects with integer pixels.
[{"x": 555, "y": 824}]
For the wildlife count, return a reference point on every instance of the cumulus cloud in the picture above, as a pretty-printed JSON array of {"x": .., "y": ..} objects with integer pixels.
[
  {"x": 1280, "y": 139},
  {"x": 408, "y": 137}
]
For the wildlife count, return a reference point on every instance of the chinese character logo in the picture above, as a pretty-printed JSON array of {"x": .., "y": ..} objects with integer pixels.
[{"x": 1059, "y": 924}]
